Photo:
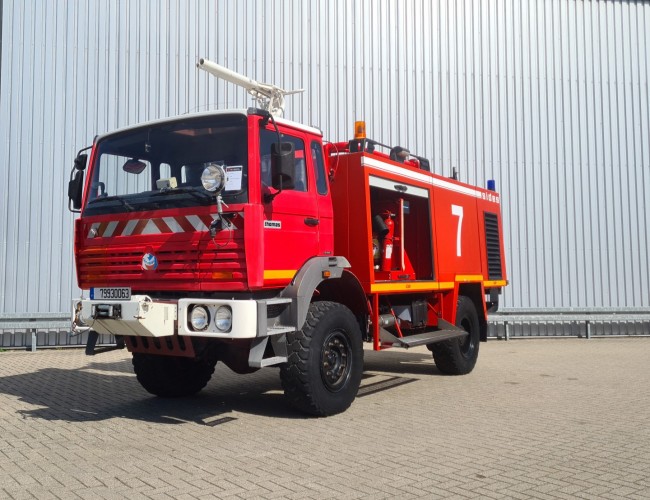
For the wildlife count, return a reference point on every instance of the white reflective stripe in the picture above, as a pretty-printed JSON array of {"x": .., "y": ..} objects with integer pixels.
[
  {"x": 390, "y": 185},
  {"x": 454, "y": 187},
  {"x": 92, "y": 232},
  {"x": 173, "y": 225},
  {"x": 380, "y": 165},
  {"x": 150, "y": 228},
  {"x": 130, "y": 226},
  {"x": 196, "y": 223},
  {"x": 109, "y": 229}
]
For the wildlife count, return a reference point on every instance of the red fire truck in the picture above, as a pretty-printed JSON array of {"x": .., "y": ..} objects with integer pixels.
[{"x": 239, "y": 236}]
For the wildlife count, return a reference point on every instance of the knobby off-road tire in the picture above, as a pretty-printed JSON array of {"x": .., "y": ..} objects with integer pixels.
[
  {"x": 325, "y": 362},
  {"x": 172, "y": 376},
  {"x": 458, "y": 356}
]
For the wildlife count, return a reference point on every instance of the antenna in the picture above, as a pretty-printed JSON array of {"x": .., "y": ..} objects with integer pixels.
[{"x": 268, "y": 97}]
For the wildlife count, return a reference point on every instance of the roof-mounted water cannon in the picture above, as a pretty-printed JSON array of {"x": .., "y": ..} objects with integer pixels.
[{"x": 268, "y": 97}]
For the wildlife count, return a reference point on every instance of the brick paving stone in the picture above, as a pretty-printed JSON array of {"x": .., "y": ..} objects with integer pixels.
[{"x": 538, "y": 418}]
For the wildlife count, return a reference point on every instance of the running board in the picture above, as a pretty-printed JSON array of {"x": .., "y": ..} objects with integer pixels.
[{"x": 429, "y": 337}]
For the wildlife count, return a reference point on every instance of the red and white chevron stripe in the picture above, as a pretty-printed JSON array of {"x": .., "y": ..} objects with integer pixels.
[{"x": 161, "y": 225}]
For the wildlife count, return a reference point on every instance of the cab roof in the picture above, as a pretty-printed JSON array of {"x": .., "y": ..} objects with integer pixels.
[{"x": 202, "y": 114}]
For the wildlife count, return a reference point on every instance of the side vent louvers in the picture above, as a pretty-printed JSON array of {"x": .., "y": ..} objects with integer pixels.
[{"x": 492, "y": 245}]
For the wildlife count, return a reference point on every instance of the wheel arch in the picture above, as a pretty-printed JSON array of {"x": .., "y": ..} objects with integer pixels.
[
  {"x": 326, "y": 278},
  {"x": 345, "y": 290}
]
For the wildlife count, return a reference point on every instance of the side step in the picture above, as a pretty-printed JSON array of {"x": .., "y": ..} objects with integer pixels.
[
  {"x": 270, "y": 313},
  {"x": 447, "y": 331}
]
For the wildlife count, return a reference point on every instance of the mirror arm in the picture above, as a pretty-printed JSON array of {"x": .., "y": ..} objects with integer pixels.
[{"x": 269, "y": 197}]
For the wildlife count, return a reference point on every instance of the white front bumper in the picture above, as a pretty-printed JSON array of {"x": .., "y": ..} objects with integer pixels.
[{"x": 141, "y": 316}]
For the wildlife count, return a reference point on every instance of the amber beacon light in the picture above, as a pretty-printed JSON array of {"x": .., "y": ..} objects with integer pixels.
[{"x": 359, "y": 130}]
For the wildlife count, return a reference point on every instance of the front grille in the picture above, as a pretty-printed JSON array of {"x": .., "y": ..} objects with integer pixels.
[
  {"x": 125, "y": 265},
  {"x": 180, "y": 266},
  {"x": 493, "y": 246}
]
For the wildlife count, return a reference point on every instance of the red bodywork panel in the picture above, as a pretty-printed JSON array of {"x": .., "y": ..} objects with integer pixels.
[
  {"x": 440, "y": 238},
  {"x": 110, "y": 251}
]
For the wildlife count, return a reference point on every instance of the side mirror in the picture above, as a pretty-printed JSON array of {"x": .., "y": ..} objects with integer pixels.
[
  {"x": 80, "y": 162},
  {"x": 75, "y": 189},
  {"x": 283, "y": 161},
  {"x": 134, "y": 166}
]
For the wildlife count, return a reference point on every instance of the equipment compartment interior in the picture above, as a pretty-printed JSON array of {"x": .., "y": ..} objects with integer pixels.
[{"x": 401, "y": 232}]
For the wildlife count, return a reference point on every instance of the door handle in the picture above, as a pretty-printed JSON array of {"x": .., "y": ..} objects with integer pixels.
[{"x": 311, "y": 221}]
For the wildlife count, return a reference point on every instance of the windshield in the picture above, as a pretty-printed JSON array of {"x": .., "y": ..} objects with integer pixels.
[{"x": 159, "y": 166}]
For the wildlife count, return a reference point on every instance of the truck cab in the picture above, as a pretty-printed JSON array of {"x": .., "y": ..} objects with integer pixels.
[{"x": 143, "y": 196}]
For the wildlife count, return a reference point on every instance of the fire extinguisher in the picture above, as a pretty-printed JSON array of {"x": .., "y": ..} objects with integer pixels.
[{"x": 387, "y": 254}]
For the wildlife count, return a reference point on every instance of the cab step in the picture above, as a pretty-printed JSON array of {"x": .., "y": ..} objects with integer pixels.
[
  {"x": 446, "y": 331},
  {"x": 270, "y": 316}
]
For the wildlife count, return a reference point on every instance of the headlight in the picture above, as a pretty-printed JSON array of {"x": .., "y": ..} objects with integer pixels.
[
  {"x": 223, "y": 318},
  {"x": 213, "y": 177},
  {"x": 199, "y": 318}
]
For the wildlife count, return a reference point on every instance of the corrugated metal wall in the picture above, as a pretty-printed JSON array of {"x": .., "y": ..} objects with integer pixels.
[{"x": 550, "y": 98}]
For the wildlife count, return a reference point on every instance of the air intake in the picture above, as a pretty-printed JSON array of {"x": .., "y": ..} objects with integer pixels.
[{"x": 493, "y": 246}]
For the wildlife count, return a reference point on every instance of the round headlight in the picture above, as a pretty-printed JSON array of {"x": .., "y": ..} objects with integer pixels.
[
  {"x": 199, "y": 318},
  {"x": 213, "y": 177},
  {"x": 223, "y": 318}
]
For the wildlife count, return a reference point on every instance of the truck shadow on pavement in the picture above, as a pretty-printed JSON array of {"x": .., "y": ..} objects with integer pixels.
[
  {"x": 101, "y": 391},
  {"x": 400, "y": 362}
]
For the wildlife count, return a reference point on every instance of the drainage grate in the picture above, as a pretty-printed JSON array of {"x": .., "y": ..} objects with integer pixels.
[{"x": 219, "y": 421}]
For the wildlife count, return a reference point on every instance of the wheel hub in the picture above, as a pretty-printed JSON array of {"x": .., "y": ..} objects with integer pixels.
[{"x": 335, "y": 364}]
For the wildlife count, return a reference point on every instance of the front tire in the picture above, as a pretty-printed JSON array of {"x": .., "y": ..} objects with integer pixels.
[
  {"x": 172, "y": 376},
  {"x": 325, "y": 363},
  {"x": 458, "y": 356}
]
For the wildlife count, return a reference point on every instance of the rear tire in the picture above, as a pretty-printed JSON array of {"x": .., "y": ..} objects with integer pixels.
[
  {"x": 325, "y": 363},
  {"x": 458, "y": 356},
  {"x": 172, "y": 376}
]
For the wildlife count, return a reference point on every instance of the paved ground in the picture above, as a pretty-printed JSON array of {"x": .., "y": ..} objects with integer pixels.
[{"x": 561, "y": 418}]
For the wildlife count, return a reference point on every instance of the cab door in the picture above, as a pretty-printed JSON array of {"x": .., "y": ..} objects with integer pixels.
[
  {"x": 323, "y": 199},
  {"x": 290, "y": 219}
]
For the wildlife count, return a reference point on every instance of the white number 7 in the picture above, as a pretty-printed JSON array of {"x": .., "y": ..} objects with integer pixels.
[{"x": 457, "y": 210}]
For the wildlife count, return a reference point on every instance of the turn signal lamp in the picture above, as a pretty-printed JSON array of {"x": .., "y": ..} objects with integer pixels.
[
  {"x": 222, "y": 275},
  {"x": 359, "y": 130}
]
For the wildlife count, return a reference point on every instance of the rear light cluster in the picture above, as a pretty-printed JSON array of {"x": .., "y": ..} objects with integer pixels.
[{"x": 200, "y": 316}]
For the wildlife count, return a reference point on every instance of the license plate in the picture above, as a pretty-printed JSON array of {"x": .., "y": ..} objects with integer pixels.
[{"x": 114, "y": 293}]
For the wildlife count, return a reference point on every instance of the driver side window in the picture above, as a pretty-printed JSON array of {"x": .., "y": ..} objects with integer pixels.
[{"x": 268, "y": 137}]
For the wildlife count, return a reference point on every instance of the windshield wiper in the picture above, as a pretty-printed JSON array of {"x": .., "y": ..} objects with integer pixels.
[
  {"x": 191, "y": 190},
  {"x": 112, "y": 198}
]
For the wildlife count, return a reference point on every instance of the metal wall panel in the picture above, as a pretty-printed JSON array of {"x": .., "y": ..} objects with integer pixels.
[{"x": 550, "y": 98}]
